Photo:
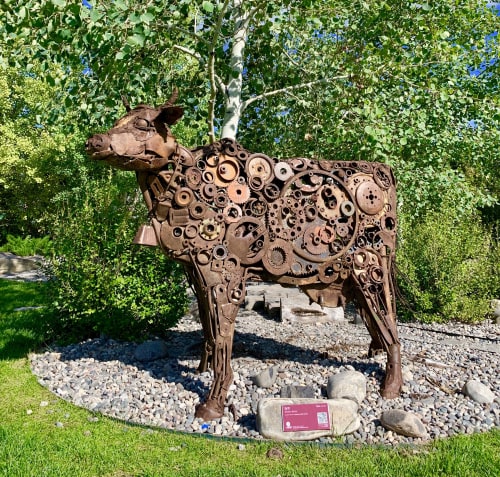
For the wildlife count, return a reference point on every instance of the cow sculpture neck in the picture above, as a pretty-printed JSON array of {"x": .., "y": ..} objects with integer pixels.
[{"x": 230, "y": 216}]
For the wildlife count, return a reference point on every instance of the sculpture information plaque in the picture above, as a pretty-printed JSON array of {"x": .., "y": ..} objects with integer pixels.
[{"x": 305, "y": 417}]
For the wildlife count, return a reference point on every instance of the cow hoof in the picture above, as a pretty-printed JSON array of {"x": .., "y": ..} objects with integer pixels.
[
  {"x": 208, "y": 411},
  {"x": 392, "y": 387},
  {"x": 389, "y": 392}
]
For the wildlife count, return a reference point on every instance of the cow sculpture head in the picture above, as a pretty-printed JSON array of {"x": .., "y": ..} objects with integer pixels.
[{"x": 139, "y": 141}]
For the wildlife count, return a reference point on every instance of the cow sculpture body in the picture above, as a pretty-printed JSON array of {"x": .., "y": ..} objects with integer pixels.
[{"x": 231, "y": 216}]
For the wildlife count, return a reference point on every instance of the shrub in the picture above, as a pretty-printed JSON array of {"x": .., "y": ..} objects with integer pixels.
[
  {"x": 101, "y": 282},
  {"x": 27, "y": 246},
  {"x": 451, "y": 262}
]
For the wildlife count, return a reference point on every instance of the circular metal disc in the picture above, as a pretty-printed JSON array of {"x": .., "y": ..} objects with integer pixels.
[{"x": 370, "y": 198}]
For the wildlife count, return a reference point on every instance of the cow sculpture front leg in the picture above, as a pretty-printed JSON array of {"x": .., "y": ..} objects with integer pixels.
[
  {"x": 204, "y": 314},
  {"x": 221, "y": 316}
]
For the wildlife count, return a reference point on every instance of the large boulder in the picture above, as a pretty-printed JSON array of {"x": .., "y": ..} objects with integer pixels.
[
  {"x": 478, "y": 392},
  {"x": 151, "y": 350},
  {"x": 266, "y": 378},
  {"x": 347, "y": 385},
  {"x": 404, "y": 423}
]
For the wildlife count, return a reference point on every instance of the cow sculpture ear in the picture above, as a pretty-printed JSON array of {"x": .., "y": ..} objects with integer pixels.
[{"x": 170, "y": 114}]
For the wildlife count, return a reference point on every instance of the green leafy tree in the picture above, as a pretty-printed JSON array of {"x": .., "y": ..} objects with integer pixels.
[
  {"x": 362, "y": 79},
  {"x": 38, "y": 162}
]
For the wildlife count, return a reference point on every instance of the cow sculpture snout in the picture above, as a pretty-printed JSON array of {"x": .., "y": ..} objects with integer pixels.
[
  {"x": 230, "y": 216},
  {"x": 97, "y": 144}
]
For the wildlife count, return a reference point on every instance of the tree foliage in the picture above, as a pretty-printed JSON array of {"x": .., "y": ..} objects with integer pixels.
[
  {"x": 358, "y": 80},
  {"x": 38, "y": 162}
]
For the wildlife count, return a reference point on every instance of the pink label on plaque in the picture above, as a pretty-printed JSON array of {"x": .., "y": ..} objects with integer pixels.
[{"x": 305, "y": 417}]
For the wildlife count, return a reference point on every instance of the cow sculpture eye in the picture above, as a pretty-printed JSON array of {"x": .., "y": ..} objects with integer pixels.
[{"x": 141, "y": 123}]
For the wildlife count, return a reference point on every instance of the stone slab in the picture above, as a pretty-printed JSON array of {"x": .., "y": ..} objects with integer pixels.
[
  {"x": 344, "y": 419},
  {"x": 10, "y": 263},
  {"x": 297, "y": 311},
  {"x": 289, "y": 304}
]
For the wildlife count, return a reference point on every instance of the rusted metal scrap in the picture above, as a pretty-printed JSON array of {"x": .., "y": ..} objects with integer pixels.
[{"x": 230, "y": 216}]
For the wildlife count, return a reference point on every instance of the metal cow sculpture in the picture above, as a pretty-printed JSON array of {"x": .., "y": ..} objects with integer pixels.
[{"x": 230, "y": 216}]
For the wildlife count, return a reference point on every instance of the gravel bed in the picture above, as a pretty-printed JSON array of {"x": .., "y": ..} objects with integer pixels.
[{"x": 103, "y": 376}]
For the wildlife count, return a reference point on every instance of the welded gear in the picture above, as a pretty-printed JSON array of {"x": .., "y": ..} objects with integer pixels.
[
  {"x": 232, "y": 213},
  {"x": 342, "y": 229},
  {"x": 208, "y": 175},
  {"x": 364, "y": 166},
  {"x": 208, "y": 191},
  {"x": 203, "y": 257},
  {"x": 221, "y": 199},
  {"x": 389, "y": 222},
  {"x": 183, "y": 196},
  {"x": 209, "y": 229},
  {"x": 329, "y": 271},
  {"x": 347, "y": 208},
  {"x": 301, "y": 268},
  {"x": 312, "y": 240},
  {"x": 261, "y": 166},
  {"x": 247, "y": 239},
  {"x": 198, "y": 210},
  {"x": 256, "y": 207},
  {"x": 278, "y": 257},
  {"x": 226, "y": 171},
  {"x": 326, "y": 165},
  {"x": 271, "y": 191},
  {"x": 307, "y": 182},
  {"x": 256, "y": 183},
  {"x": 192, "y": 230},
  {"x": 230, "y": 147},
  {"x": 329, "y": 197},
  {"x": 370, "y": 197},
  {"x": 283, "y": 171},
  {"x": 298, "y": 163},
  {"x": 220, "y": 252},
  {"x": 286, "y": 218},
  {"x": 193, "y": 178},
  {"x": 310, "y": 212},
  {"x": 383, "y": 176},
  {"x": 238, "y": 193}
]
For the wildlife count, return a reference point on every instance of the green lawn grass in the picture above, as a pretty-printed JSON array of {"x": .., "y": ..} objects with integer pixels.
[{"x": 59, "y": 439}]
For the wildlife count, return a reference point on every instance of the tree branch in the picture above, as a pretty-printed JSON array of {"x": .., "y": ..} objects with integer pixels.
[
  {"x": 275, "y": 92},
  {"x": 202, "y": 61},
  {"x": 194, "y": 36},
  {"x": 190, "y": 52}
]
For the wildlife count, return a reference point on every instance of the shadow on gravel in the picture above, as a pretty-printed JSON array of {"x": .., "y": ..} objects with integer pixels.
[{"x": 187, "y": 346}]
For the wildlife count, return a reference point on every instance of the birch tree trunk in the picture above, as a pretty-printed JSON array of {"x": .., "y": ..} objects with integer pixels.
[{"x": 235, "y": 83}]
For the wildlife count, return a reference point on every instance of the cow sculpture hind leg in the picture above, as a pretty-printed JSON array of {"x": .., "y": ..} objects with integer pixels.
[{"x": 376, "y": 303}]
